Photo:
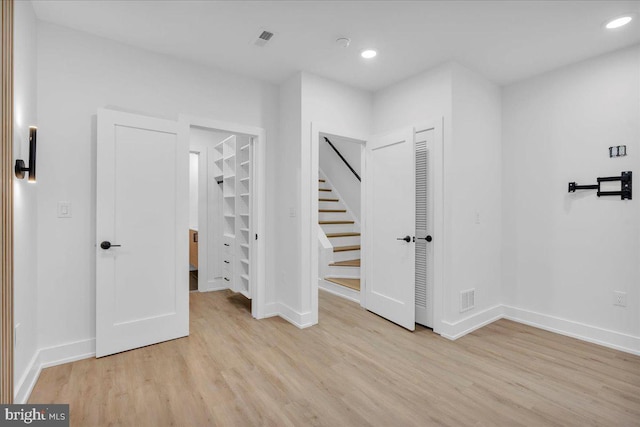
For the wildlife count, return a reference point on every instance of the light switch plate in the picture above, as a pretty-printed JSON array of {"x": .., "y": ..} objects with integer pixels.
[{"x": 64, "y": 209}]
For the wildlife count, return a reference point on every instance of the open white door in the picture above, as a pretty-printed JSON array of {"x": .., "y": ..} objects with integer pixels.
[
  {"x": 142, "y": 289},
  {"x": 390, "y": 219}
]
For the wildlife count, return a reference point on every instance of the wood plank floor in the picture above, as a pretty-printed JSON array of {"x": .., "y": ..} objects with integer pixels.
[{"x": 353, "y": 369}]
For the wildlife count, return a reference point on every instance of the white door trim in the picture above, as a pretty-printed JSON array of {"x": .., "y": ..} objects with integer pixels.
[
  {"x": 438, "y": 218},
  {"x": 258, "y": 211},
  {"x": 309, "y": 214}
]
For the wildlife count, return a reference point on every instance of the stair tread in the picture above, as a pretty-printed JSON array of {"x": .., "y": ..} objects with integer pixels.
[
  {"x": 324, "y": 189},
  {"x": 335, "y": 222},
  {"x": 346, "y": 248},
  {"x": 327, "y": 200},
  {"x": 332, "y": 210},
  {"x": 348, "y": 263},
  {"x": 330, "y": 235},
  {"x": 344, "y": 281}
]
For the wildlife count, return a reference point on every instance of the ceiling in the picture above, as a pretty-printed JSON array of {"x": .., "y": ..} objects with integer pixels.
[{"x": 504, "y": 40}]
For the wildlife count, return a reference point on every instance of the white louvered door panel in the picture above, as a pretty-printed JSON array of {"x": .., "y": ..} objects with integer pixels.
[{"x": 424, "y": 225}]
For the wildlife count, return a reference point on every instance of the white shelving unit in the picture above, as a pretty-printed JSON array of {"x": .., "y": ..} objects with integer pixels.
[
  {"x": 229, "y": 212},
  {"x": 218, "y": 171},
  {"x": 243, "y": 205}
]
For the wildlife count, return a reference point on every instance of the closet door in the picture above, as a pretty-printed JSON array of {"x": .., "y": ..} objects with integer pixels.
[{"x": 424, "y": 226}]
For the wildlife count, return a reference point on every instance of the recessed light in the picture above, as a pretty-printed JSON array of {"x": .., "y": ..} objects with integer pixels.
[
  {"x": 368, "y": 53},
  {"x": 618, "y": 22}
]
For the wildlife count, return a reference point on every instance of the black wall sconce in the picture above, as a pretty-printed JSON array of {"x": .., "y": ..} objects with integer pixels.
[{"x": 20, "y": 169}]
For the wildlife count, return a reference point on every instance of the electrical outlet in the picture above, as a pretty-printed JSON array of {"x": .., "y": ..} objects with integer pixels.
[
  {"x": 64, "y": 209},
  {"x": 620, "y": 298}
]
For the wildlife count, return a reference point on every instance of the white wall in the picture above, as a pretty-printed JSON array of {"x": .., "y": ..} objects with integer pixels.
[
  {"x": 565, "y": 254},
  {"x": 343, "y": 180},
  {"x": 473, "y": 179},
  {"x": 25, "y": 194},
  {"x": 78, "y": 73},
  {"x": 287, "y": 195},
  {"x": 470, "y": 108},
  {"x": 193, "y": 190}
]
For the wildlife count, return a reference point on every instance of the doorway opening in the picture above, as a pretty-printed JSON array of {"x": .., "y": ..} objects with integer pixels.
[
  {"x": 194, "y": 158},
  {"x": 340, "y": 230},
  {"x": 401, "y": 226},
  {"x": 226, "y": 210}
]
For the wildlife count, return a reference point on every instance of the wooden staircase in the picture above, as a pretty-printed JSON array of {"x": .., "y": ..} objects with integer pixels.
[{"x": 343, "y": 233}]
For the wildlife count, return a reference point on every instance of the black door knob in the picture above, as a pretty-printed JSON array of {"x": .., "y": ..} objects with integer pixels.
[
  {"x": 428, "y": 238},
  {"x": 405, "y": 238},
  {"x": 107, "y": 244}
]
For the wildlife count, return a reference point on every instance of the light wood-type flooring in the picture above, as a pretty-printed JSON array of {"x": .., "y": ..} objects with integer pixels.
[{"x": 353, "y": 369}]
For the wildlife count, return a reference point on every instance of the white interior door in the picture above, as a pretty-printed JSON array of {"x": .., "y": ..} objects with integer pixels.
[
  {"x": 390, "y": 213},
  {"x": 142, "y": 289}
]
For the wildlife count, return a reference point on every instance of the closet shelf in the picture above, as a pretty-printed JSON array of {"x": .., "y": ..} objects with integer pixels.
[
  {"x": 244, "y": 261},
  {"x": 230, "y": 236},
  {"x": 229, "y": 177},
  {"x": 244, "y": 163},
  {"x": 229, "y": 216},
  {"x": 245, "y": 194},
  {"x": 244, "y": 214},
  {"x": 245, "y": 277},
  {"x": 244, "y": 179},
  {"x": 230, "y": 196},
  {"x": 244, "y": 245},
  {"x": 244, "y": 147},
  {"x": 246, "y": 230}
]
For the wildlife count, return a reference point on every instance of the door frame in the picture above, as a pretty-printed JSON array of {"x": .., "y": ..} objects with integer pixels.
[
  {"x": 309, "y": 212},
  {"x": 258, "y": 207}
]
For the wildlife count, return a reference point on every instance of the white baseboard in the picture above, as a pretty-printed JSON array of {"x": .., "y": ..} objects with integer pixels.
[
  {"x": 213, "y": 285},
  {"x": 25, "y": 385},
  {"x": 581, "y": 331},
  {"x": 455, "y": 330},
  {"x": 300, "y": 320},
  {"x": 340, "y": 291},
  {"x": 52, "y": 356}
]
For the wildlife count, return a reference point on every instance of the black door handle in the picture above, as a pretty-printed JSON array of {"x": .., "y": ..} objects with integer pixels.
[
  {"x": 428, "y": 238},
  {"x": 405, "y": 238},
  {"x": 107, "y": 244}
]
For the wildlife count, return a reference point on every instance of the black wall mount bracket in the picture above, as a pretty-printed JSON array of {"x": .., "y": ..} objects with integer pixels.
[{"x": 625, "y": 192}]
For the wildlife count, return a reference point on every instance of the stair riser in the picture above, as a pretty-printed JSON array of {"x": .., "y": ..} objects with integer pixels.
[
  {"x": 345, "y": 241},
  {"x": 346, "y": 255},
  {"x": 330, "y": 205},
  {"x": 334, "y": 216},
  {"x": 334, "y": 271},
  {"x": 339, "y": 228}
]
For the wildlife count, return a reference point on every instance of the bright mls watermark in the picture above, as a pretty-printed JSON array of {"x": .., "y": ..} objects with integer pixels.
[{"x": 34, "y": 415}]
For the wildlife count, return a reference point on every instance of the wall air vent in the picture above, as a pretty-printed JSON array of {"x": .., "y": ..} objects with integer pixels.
[
  {"x": 467, "y": 300},
  {"x": 263, "y": 37}
]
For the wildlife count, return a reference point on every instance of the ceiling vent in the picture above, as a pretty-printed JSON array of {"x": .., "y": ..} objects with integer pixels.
[{"x": 263, "y": 37}]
